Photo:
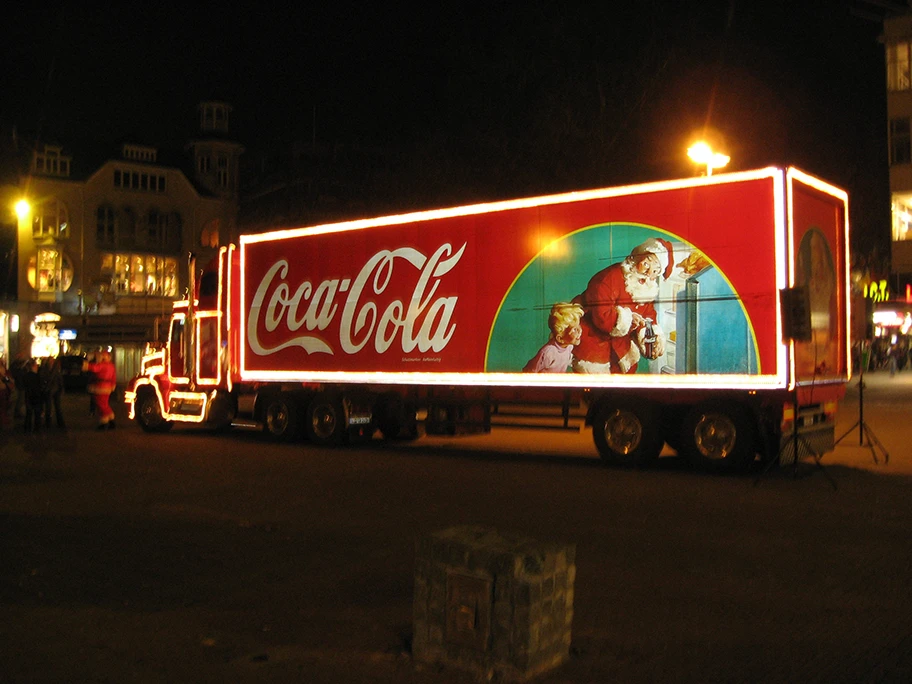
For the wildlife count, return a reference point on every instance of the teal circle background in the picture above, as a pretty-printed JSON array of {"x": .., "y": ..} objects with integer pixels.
[{"x": 558, "y": 274}]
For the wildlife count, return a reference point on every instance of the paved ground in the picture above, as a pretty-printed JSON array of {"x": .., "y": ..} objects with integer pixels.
[{"x": 205, "y": 558}]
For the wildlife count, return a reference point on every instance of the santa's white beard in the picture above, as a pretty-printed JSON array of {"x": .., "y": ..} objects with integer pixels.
[{"x": 640, "y": 292}]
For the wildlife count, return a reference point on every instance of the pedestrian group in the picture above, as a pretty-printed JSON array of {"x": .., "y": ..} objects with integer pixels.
[{"x": 31, "y": 391}]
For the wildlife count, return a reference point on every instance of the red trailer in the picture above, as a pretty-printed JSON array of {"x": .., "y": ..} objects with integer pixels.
[{"x": 692, "y": 312}]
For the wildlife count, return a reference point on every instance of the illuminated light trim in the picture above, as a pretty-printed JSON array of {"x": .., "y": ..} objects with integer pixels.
[
  {"x": 130, "y": 395},
  {"x": 157, "y": 358},
  {"x": 506, "y": 205},
  {"x": 512, "y": 379},
  {"x": 130, "y": 399},
  {"x": 793, "y": 174},
  {"x": 200, "y": 315},
  {"x": 242, "y": 324},
  {"x": 785, "y": 274},
  {"x": 565, "y": 380},
  {"x": 228, "y": 323},
  {"x": 183, "y": 417},
  {"x": 177, "y": 315}
]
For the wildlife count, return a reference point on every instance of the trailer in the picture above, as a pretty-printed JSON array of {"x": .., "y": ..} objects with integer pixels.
[{"x": 710, "y": 314}]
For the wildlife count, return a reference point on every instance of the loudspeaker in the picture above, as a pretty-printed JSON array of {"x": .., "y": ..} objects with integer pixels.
[{"x": 796, "y": 314}]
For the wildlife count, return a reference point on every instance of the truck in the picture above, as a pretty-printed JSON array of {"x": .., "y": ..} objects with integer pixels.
[{"x": 709, "y": 314}]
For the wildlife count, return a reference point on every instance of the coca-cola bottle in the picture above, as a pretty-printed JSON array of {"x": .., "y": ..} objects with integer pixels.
[{"x": 649, "y": 340}]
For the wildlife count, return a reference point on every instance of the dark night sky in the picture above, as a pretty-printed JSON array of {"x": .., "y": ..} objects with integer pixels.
[{"x": 511, "y": 102}]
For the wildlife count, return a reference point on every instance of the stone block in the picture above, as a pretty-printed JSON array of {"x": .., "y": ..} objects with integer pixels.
[{"x": 492, "y": 604}]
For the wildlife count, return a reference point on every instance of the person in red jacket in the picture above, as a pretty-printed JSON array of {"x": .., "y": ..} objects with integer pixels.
[
  {"x": 105, "y": 380},
  {"x": 620, "y": 324}
]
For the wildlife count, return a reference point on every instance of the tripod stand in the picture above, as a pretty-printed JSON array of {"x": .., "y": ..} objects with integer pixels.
[
  {"x": 863, "y": 429},
  {"x": 796, "y": 442}
]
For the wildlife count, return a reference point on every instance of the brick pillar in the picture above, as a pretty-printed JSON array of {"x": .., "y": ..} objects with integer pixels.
[{"x": 492, "y": 603}]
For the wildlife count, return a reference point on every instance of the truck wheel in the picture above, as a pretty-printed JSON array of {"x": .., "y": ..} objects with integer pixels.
[
  {"x": 280, "y": 418},
  {"x": 325, "y": 421},
  {"x": 627, "y": 433},
  {"x": 222, "y": 412},
  {"x": 149, "y": 415},
  {"x": 718, "y": 436}
]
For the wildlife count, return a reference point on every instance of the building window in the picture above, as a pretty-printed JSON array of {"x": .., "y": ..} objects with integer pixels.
[
  {"x": 50, "y": 271},
  {"x": 164, "y": 230},
  {"x": 204, "y": 163},
  {"x": 50, "y": 162},
  {"x": 140, "y": 153},
  {"x": 899, "y": 74},
  {"x": 51, "y": 220},
  {"x": 134, "y": 180},
  {"x": 140, "y": 275},
  {"x": 209, "y": 235},
  {"x": 223, "y": 171},
  {"x": 902, "y": 220},
  {"x": 900, "y": 142},
  {"x": 105, "y": 226}
]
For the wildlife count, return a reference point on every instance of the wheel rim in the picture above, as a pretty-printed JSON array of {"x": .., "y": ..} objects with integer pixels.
[
  {"x": 323, "y": 421},
  {"x": 715, "y": 436},
  {"x": 623, "y": 431},
  {"x": 277, "y": 419}
]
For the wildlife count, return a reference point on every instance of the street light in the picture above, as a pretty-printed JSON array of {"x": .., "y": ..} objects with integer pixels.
[
  {"x": 702, "y": 153},
  {"x": 23, "y": 208}
]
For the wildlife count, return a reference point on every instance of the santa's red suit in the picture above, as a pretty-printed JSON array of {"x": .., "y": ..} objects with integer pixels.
[{"x": 611, "y": 341}]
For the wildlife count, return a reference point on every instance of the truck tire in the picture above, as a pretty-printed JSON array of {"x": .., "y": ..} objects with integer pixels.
[
  {"x": 281, "y": 419},
  {"x": 719, "y": 436},
  {"x": 325, "y": 422},
  {"x": 149, "y": 415},
  {"x": 627, "y": 433}
]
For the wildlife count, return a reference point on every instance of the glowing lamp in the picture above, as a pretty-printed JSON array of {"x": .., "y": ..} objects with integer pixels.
[
  {"x": 702, "y": 153},
  {"x": 23, "y": 208}
]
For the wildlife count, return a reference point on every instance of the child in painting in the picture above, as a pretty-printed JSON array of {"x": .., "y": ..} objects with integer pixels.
[{"x": 556, "y": 355}]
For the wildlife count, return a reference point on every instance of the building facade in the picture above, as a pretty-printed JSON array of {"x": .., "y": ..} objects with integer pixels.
[
  {"x": 107, "y": 254},
  {"x": 898, "y": 44}
]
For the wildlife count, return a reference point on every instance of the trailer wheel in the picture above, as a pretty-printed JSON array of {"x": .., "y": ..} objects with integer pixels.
[
  {"x": 280, "y": 418},
  {"x": 149, "y": 415},
  {"x": 325, "y": 421},
  {"x": 718, "y": 436},
  {"x": 627, "y": 433}
]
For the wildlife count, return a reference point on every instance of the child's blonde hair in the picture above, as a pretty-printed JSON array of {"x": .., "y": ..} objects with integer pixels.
[{"x": 564, "y": 315}]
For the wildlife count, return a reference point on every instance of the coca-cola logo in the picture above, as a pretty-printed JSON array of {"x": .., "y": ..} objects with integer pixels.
[{"x": 421, "y": 321}]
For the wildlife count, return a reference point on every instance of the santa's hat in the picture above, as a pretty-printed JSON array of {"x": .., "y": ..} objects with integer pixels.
[{"x": 661, "y": 249}]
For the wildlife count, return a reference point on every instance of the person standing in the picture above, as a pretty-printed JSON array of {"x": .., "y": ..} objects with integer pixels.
[
  {"x": 52, "y": 382},
  {"x": 17, "y": 370},
  {"x": 34, "y": 397},
  {"x": 101, "y": 388},
  {"x": 6, "y": 393}
]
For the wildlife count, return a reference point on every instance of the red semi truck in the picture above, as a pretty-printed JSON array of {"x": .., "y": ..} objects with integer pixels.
[{"x": 696, "y": 312}]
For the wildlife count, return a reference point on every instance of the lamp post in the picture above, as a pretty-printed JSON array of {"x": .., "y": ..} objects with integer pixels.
[{"x": 702, "y": 153}]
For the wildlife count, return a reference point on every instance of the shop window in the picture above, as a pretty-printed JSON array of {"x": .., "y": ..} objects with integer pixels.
[
  {"x": 140, "y": 274},
  {"x": 50, "y": 271}
]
